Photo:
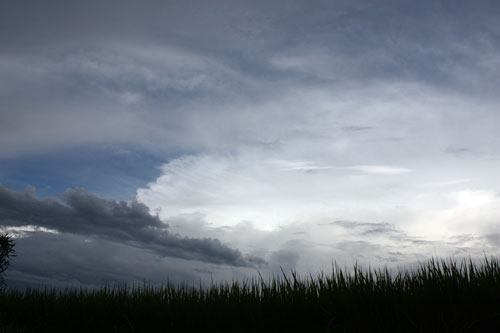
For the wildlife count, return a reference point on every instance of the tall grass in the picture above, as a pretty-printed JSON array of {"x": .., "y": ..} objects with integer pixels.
[{"x": 438, "y": 296}]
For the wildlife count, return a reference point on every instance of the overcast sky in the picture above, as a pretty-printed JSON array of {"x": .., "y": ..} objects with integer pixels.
[{"x": 200, "y": 140}]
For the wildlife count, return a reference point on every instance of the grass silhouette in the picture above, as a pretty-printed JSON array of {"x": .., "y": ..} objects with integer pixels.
[{"x": 438, "y": 296}]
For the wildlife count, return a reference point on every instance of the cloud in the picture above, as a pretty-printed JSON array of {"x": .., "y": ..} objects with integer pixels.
[
  {"x": 305, "y": 245},
  {"x": 310, "y": 210},
  {"x": 228, "y": 189},
  {"x": 257, "y": 186},
  {"x": 62, "y": 260},
  {"x": 244, "y": 74},
  {"x": 356, "y": 128},
  {"x": 369, "y": 227},
  {"x": 449, "y": 182},
  {"x": 380, "y": 169},
  {"x": 82, "y": 213}
]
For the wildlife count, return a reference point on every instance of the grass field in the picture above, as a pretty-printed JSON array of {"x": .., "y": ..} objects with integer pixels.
[{"x": 438, "y": 296}]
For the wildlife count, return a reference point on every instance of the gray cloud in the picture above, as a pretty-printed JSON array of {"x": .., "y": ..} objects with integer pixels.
[
  {"x": 62, "y": 260},
  {"x": 143, "y": 73},
  {"x": 370, "y": 229},
  {"x": 79, "y": 212},
  {"x": 458, "y": 151},
  {"x": 494, "y": 239},
  {"x": 356, "y": 128},
  {"x": 382, "y": 234}
]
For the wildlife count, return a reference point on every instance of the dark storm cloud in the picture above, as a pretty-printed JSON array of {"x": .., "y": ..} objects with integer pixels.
[
  {"x": 91, "y": 262},
  {"x": 79, "y": 212}
]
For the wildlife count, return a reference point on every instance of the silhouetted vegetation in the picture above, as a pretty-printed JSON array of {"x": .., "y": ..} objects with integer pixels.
[
  {"x": 6, "y": 253},
  {"x": 439, "y": 296}
]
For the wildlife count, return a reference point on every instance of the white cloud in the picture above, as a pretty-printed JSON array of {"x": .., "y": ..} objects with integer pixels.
[
  {"x": 267, "y": 205},
  {"x": 380, "y": 169},
  {"x": 469, "y": 199}
]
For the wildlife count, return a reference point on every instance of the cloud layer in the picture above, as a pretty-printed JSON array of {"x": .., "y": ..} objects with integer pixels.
[
  {"x": 242, "y": 73},
  {"x": 290, "y": 131}
]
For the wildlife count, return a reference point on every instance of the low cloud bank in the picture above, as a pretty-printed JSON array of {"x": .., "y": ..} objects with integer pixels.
[{"x": 82, "y": 213}]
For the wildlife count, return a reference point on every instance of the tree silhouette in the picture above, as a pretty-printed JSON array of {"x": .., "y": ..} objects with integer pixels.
[{"x": 6, "y": 253}]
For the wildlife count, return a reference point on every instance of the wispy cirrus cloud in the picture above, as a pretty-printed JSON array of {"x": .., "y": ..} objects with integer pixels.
[{"x": 379, "y": 169}]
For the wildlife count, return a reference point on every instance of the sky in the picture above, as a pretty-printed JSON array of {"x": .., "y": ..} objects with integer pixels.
[{"x": 217, "y": 140}]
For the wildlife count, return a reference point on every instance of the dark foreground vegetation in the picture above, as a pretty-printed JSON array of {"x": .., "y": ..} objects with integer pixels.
[{"x": 439, "y": 296}]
